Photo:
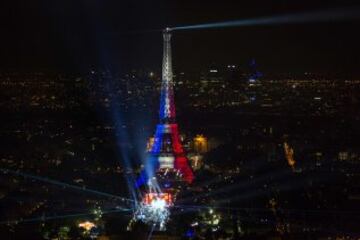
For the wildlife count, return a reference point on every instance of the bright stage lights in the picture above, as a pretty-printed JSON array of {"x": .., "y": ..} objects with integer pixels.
[
  {"x": 156, "y": 212},
  {"x": 158, "y": 204}
]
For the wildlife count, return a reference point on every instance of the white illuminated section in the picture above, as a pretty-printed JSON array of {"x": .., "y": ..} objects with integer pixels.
[
  {"x": 167, "y": 128},
  {"x": 166, "y": 161},
  {"x": 158, "y": 204}
]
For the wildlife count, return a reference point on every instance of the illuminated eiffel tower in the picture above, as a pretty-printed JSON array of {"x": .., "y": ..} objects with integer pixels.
[
  {"x": 166, "y": 159},
  {"x": 166, "y": 169}
]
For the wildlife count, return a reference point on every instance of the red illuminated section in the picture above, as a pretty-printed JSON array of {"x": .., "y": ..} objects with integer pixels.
[
  {"x": 181, "y": 162},
  {"x": 150, "y": 198},
  {"x": 166, "y": 147}
]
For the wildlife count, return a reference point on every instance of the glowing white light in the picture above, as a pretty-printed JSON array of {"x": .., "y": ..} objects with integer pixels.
[
  {"x": 195, "y": 224},
  {"x": 166, "y": 161},
  {"x": 158, "y": 203},
  {"x": 216, "y": 221}
]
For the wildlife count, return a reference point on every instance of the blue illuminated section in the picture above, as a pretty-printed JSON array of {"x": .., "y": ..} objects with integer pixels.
[
  {"x": 141, "y": 180},
  {"x": 190, "y": 233},
  {"x": 152, "y": 162},
  {"x": 156, "y": 148},
  {"x": 255, "y": 74},
  {"x": 163, "y": 98},
  {"x": 148, "y": 172}
]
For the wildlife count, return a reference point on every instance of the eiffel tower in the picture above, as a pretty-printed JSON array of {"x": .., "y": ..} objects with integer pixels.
[{"x": 167, "y": 161}]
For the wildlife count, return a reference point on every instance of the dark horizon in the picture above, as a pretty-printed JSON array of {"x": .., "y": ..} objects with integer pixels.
[{"x": 75, "y": 36}]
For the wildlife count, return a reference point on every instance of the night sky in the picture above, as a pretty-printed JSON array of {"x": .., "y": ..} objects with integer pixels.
[{"x": 119, "y": 35}]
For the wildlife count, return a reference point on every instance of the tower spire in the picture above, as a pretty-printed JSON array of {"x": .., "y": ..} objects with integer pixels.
[{"x": 167, "y": 105}]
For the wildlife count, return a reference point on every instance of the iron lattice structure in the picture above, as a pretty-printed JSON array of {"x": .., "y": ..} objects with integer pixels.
[
  {"x": 167, "y": 154},
  {"x": 166, "y": 167}
]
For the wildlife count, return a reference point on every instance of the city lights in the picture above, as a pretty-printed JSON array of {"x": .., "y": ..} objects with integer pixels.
[{"x": 87, "y": 225}]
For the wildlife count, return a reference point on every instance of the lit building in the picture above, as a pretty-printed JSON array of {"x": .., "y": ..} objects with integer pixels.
[
  {"x": 196, "y": 161},
  {"x": 289, "y": 155},
  {"x": 253, "y": 82},
  {"x": 201, "y": 144},
  {"x": 167, "y": 154},
  {"x": 166, "y": 167}
]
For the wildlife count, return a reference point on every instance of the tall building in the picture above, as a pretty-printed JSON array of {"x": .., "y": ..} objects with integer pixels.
[
  {"x": 253, "y": 82},
  {"x": 167, "y": 160}
]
